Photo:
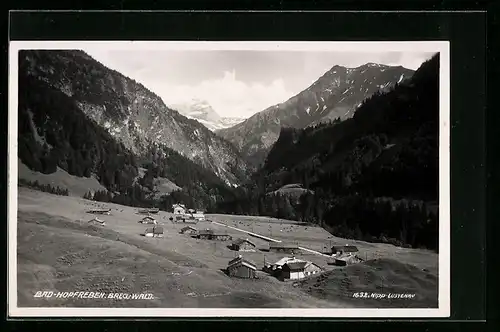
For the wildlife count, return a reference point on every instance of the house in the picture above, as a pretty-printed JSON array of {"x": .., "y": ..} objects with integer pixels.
[
  {"x": 346, "y": 259},
  {"x": 179, "y": 208},
  {"x": 274, "y": 268},
  {"x": 199, "y": 215},
  {"x": 189, "y": 219},
  {"x": 298, "y": 270},
  {"x": 97, "y": 221},
  {"x": 155, "y": 231},
  {"x": 284, "y": 247},
  {"x": 241, "y": 268},
  {"x": 208, "y": 234},
  {"x": 347, "y": 249},
  {"x": 101, "y": 211},
  {"x": 148, "y": 220},
  {"x": 189, "y": 230},
  {"x": 243, "y": 245}
]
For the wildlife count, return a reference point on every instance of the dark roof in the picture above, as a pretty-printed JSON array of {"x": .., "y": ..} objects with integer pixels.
[
  {"x": 283, "y": 245},
  {"x": 149, "y": 230},
  {"x": 239, "y": 242},
  {"x": 188, "y": 227},
  {"x": 295, "y": 265},
  {"x": 345, "y": 248},
  {"x": 206, "y": 232},
  {"x": 158, "y": 230}
]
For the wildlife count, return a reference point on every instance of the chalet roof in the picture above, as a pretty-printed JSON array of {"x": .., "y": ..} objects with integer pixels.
[
  {"x": 242, "y": 260},
  {"x": 311, "y": 263},
  {"x": 148, "y": 217},
  {"x": 283, "y": 245},
  {"x": 179, "y": 205},
  {"x": 188, "y": 227},
  {"x": 296, "y": 265},
  {"x": 239, "y": 242},
  {"x": 285, "y": 260}
]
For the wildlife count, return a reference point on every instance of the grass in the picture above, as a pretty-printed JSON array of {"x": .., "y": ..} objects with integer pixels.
[{"x": 59, "y": 251}]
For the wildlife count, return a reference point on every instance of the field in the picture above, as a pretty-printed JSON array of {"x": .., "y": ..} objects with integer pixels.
[{"x": 59, "y": 251}]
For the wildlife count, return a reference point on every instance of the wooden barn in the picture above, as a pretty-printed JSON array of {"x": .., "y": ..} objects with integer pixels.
[
  {"x": 179, "y": 208},
  {"x": 284, "y": 247},
  {"x": 148, "y": 220},
  {"x": 347, "y": 249},
  {"x": 208, "y": 234},
  {"x": 298, "y": 270},
  {"x": 243, "y": 245},
  {"x": 241, "y": 268},
  {"x": 156, "y": 231},
  {"x": 100, "y": 211},
  {"x": 189, "y": 230},
  {"x": 148, "y": 211}
]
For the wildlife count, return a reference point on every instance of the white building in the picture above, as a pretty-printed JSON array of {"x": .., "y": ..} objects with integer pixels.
[{"x": 179, "y": 208}]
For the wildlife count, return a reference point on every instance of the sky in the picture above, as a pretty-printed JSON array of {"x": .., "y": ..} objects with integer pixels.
[{"x": 237, "y": 83}]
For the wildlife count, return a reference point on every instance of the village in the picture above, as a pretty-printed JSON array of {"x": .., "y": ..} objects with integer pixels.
[{"x": 287, "y": 268}]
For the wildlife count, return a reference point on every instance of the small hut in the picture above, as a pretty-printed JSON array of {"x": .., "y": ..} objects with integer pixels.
[
  {"x": 156, "y": 231},
  {"x": 241, "y": 268},
  {"x": 199, "y": 216},
  {"x": 100, "y": 211},
  {"x": 243, "y": 245},
  {"x": 148, "y": 220},
  {"x": 189, "y": 230},
  {"x": 347, "y": 249},
  {"x": 284, "y": 247},
  {"x": 208, "y": 234}
]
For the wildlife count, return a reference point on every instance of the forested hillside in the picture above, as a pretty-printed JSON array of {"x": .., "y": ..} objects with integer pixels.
[
  {"x": 53, "y": 131},
  {"x": 372, "y": 177}
]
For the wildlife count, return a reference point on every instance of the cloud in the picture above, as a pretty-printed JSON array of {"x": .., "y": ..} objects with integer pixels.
[{"x": 227, "y": 95}]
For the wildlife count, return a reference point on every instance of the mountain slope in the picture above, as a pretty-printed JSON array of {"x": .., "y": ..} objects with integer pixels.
[
  {"x": 131, "y": 113},
  {"x": 56, "y": 138},
  {"x": 373, "y": 177},
  {"x": 201, "y": 111},
  {"x": 334, "y": 95}
]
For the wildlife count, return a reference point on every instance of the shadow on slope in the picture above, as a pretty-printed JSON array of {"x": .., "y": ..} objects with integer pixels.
[{"x": 381, "y": 276}]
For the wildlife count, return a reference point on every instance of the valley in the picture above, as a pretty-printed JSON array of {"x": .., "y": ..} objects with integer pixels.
[{"x": 59, "y": 251}]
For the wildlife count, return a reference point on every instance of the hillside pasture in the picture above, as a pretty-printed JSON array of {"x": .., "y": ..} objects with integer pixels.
[{"x": 58, "y": 250}]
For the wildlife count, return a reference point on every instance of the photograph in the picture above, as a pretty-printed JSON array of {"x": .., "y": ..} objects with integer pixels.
[{"x": 200, "y": 179}]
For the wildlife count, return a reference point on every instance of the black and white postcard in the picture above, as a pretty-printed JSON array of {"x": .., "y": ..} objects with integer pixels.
[{"x": 219, "y": 179}]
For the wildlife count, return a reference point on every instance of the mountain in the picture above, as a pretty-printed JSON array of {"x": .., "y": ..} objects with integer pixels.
[
  {"x": 130, "y": 113},
  {"x": 373, "y": 177},
  {"x": 201, "y": 111},
  {"x": 334, "y": 95}
]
